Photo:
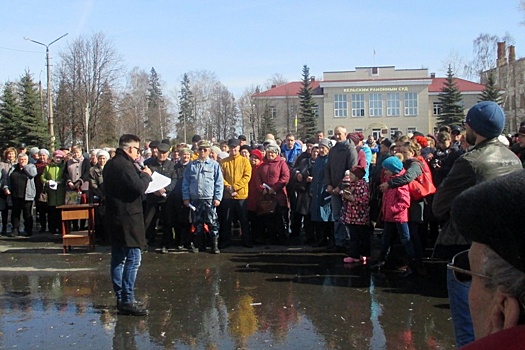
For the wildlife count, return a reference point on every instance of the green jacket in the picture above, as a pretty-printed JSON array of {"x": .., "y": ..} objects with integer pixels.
[{"x": 55, "y": 172}]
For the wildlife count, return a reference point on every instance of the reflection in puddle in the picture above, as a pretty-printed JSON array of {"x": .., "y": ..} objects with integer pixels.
[{"x": 288, "y": 301}]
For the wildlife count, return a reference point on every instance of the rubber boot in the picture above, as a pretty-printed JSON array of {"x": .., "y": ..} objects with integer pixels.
[{"x": 215, "y": 244}]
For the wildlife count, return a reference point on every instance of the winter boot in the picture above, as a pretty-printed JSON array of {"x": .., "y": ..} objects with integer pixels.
[{"x": 215, "y": 245}]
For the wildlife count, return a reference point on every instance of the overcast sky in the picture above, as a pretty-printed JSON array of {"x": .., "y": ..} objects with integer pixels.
[{"x": 245, "y": 42}]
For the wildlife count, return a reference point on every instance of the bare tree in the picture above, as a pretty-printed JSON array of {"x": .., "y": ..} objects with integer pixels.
[
  {"x": 276, "y": 79},
  {"x": 224, "y": 113},
  {"x": 89, "y": 73},
  {"x": 204, "y": 85},
  {"x": 133, "y": 103}
]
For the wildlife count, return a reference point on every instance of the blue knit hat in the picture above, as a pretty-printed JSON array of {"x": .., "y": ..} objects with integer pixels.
[
  {"x": 486, "y": 118},
  {"x": 393, "y": 164}
]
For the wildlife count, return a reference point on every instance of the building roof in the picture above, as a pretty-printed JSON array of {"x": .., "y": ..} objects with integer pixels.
[
  {"x": 462, "y": 84},
  {"x": 290, "y": 89},
  {"x": 293, "y": 88}
]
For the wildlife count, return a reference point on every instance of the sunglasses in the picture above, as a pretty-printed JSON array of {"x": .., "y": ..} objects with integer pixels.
[
  {"x": 460, "y": 267},
  {"x": 203, "y": 149}
]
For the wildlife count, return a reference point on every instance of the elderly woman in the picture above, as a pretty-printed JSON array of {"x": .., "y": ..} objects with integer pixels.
[
  {"x": 96, "y": 190},
  {"x": 271, "y": 180},
  {"x": 9, "y": 158},
  {"x": 41, "y": 207},
  {"x": 320, "y": 205},
  {"x": 21, "y": 187},
  {"x": 53, "y": 178}
]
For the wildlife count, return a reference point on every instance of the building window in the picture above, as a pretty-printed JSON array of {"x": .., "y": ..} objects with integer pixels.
[
  {"x": 392, "y": 105},
  {"x": 376, "y": 133},
  {"x": 376, "y": 105},
  {"x": 358, "y": 130},
  {"x": 340, "y": 106},
  {"x": 411, "y": 130},
  {"x": 437, "y": 108},
  {"x": 273, "y": 112},
  {"x": 393, "y": 132},
  {"x": 410, "y": 104},
  {"x": 330, "y": 132},
  {"x": 358, "y": 105}
]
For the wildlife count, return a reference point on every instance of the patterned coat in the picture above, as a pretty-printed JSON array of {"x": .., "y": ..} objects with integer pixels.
[{"x": 358, "y": 211}]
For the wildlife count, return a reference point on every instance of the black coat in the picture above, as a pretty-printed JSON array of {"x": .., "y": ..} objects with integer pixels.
[{"x": 124, "y": 186}]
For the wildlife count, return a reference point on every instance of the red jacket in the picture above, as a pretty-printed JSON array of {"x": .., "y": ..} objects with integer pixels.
[
  {"x": 396, "y": 202},
  {"x": 254, "y": 195},
  {"x": 276, "y": 174}
]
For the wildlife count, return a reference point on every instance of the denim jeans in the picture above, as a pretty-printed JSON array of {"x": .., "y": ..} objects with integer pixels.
[
  {"x": 125, "y": 264},
  {"x": 340, "y": 231},
  {"x": 404, "y": 236},
  {"x": 461, "y": 320}
]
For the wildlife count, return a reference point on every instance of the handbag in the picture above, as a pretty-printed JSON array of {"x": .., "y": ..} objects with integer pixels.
[
  {"x": 267, "y": 205},
  {"x": 42, "y": 198},
  {"x": 422, "y": 186}
]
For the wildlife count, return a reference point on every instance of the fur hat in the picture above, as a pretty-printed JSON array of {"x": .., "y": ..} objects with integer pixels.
[
  {"x": 486, "y": 119},
  {"x": 491, "y": 213},
  {"x": 393, "y": 164},
  {"x": 103, "y": 153}
]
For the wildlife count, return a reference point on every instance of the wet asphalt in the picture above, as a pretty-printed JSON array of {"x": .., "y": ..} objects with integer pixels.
[{"x": 281, "y": 297}]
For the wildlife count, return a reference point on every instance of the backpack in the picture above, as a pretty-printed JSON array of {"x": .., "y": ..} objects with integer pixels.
[{"x": 423, "y": 185}]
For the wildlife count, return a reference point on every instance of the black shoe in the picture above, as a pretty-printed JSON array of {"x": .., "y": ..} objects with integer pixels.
[{"x": 134, "y": 309}]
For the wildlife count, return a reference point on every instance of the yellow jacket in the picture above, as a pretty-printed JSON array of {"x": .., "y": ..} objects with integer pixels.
[{"x": 236, "y": 172}]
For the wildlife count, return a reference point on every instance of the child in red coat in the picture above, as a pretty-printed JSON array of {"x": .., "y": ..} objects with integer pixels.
[
  {"x": 355, "y": 214},
  {"x": 396, "y": 202}
]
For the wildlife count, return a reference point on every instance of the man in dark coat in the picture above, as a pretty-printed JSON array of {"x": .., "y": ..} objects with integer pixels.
[{"x": 124, "y": 184}]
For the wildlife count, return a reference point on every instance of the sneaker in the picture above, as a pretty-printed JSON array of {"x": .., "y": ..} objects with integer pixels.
[
  {"x": 350, "y": 260},
  {"x": 133, "y": 309},
  {"x": 164, "y": 250}
]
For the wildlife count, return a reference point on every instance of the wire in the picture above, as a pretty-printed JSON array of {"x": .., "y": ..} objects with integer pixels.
[{"x": 6, "y": 48}]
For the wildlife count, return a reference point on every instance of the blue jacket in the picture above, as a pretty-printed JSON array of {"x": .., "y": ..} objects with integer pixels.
[
  {"x": 202, "y": 180},
  {"x": 368, "y": 154},
  {"x": 290, "y": 155}
]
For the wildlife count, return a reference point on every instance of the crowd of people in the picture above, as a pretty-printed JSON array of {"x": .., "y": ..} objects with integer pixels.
[{"x": 323, "y": 192}]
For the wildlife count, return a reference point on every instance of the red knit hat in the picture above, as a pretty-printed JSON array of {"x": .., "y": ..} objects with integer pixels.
[
  {"x": 423, "y": 142},
  {"x": 256, "y": 153}
]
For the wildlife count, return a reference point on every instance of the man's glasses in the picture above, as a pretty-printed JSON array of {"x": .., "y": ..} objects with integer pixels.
[
  {"x": 460, "y": 267},
  {"x": 203, "y": 149}
]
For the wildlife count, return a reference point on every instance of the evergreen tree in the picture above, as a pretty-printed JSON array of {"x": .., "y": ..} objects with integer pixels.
[
  {"x": 451, "y": 102},
  {"x": 307, "y": 114},
  {"x": 32, "y": 126},
  {"x": 186, "y": 124},
  {"x": 267, "y": 124},
  {"x": 10, "y": 117},
  {"x": 154, "y": 113},
  {"x": 491, "y": 92}
]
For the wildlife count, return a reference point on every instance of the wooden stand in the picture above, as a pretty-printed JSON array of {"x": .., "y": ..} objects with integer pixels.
[{"x": 78, "y": 238}]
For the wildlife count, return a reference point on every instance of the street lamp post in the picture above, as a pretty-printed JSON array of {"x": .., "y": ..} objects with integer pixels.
[{"x": 49, "y": 92}]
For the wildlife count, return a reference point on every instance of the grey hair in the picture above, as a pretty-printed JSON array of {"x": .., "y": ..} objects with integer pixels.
[
  {"x": 272, "y": 148},
  {"x": 503, "y": 275}
]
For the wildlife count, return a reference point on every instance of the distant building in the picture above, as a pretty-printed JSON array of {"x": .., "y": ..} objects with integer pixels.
[
  {"x": 374, "y": 100},
  {"x": 509, "y": 77}
]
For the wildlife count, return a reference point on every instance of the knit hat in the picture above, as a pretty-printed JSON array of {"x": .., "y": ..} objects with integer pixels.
[
  {"x": 59, "y": 153},
  {"x": 491, "y": 213},
  {"x": 358, "y": 171},
  {"x": 393, "y": 164},
  {"x": 256, "y": 153},
  {"x": 103, "y": 153},
  {"x": 387, "y": 143},
  {"x": 422, "y": 140},
  {"x": 215, "y": 149},
  {"x": 33, "y": 150},
  {"x": 326, "y": 143},
  {"x": 196, "y": 138},
  {"x": 43, "y": 151},
  {"x": 356, "y": 137},
  {"x": 486, "y": 118}
]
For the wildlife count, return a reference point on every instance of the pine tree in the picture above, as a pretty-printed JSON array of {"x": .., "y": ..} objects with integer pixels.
[
  {"x": 32, "y": 126},
  {"x": 307, "y": 114},
  {"x": 186, "y": 124},
  {"x": 155, "y": 105},
  {"x": 10, "y": 117},
  {"x": 491, "y": 92},
  {"x": 267, "y": 124},
  {"x": 451, "y": 102}
]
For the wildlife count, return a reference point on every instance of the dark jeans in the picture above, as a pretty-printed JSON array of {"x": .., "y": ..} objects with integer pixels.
[
  {"x": 389, "y": 230},
  {"x": 54, "y": 220},
  {"x": 125, "y": 264},
  {"x": 235, "y": 208},
  {"x": 41, "y": 209},
  {"x": 21, "y": 206}
]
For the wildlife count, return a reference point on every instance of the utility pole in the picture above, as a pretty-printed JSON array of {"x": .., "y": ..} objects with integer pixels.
[{"x": 49, "y": 91}]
